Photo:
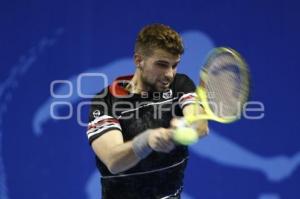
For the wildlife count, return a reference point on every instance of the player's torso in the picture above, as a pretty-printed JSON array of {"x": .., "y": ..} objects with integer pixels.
[{"x": 159, "y": 174}]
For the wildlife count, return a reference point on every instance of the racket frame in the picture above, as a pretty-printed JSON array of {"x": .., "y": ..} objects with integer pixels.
[{"x": 201, "y": 92}]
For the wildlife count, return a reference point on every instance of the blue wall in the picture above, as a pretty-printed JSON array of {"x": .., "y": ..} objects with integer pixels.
[{"x": 42, "y": 157}]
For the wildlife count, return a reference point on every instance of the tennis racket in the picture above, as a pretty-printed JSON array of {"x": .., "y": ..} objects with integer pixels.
[{"x": 222, "y": 92}]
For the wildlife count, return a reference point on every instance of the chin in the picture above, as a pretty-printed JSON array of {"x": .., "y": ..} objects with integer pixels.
[{"x": 162, "y": 89}]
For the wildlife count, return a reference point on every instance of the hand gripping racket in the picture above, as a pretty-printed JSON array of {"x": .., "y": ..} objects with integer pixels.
[{"x": 223, "y": 89}]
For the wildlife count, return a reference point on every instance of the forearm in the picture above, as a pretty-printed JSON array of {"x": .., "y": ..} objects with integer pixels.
[
  {"x": 122, "y": 158},
  {"x": 200, "y": 125},
  {"x": 119, "y": 156}
]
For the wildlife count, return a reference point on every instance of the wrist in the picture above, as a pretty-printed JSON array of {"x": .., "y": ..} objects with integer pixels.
[{"x": 140, "y": 145}]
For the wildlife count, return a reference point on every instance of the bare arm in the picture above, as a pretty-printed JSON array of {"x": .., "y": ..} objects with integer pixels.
[
  {"x": 113, "y": 152},
  {"x": 119, "y": 156},
  {"x": 200, "y": 125}
]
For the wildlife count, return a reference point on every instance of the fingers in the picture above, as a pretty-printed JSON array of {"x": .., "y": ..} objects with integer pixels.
[
  {"x": 201, "y": 127},
  {"x": 165, "y": 141},
  {"x": 160, "y": 140},
  {"x": 177, "y": 122}
]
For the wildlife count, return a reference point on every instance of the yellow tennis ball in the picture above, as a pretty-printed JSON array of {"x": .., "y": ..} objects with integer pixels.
[{"x": 185, "y": 135}]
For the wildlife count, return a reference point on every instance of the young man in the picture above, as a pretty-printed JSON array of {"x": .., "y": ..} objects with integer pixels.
[{"x": 130, "y": 121}]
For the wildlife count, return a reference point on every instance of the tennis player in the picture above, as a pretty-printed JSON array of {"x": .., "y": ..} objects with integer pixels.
[{"x": 131, "y": 121}]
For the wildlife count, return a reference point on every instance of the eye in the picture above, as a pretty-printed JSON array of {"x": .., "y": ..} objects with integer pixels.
[
  {"x": 175, "y": 66},
  {"x": 162, "y": 64}
]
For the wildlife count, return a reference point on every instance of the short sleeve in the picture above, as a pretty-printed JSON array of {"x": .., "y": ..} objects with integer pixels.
[
  {"x": 101, "y": 119},
  {"x": 186, "y": 87}
]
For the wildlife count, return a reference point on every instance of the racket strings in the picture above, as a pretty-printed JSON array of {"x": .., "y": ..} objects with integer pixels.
[
  {"x": 224, "y": 86},
  {"x": 221, "y": 100}
]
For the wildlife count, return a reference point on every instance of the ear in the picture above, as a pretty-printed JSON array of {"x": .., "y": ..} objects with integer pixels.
[{"x": 138, "y": 60}]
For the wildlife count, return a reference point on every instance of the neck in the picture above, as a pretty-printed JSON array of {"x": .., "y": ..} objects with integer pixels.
[{"x": 135, "y": 85}]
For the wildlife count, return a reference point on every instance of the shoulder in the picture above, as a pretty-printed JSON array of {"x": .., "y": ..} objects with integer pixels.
[
  {"x": 183, "y": 83},
  {"x": 181, "y": 77}
]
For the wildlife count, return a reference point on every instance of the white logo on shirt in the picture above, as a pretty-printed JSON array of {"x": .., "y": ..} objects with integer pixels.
[
  {"x": 96, "y": 113},
  {"x": 168, "y": 94}
]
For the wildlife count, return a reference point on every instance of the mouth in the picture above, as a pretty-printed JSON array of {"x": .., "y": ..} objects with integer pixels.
[{"x": 165, "y": 84}]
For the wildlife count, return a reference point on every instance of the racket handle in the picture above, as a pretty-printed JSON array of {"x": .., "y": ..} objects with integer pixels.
[{"x": 184, "y": 134}]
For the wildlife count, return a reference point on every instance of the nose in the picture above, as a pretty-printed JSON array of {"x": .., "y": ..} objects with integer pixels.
[{"x": 169, "y": 73}]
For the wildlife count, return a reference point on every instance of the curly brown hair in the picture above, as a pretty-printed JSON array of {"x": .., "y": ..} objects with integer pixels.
[{"x": 158, "y": 36}]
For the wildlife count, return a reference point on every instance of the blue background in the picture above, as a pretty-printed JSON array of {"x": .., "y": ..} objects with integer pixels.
[{"x": 43, "y": 41}]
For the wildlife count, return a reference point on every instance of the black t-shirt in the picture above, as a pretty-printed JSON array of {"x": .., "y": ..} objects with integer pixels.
[{"x": 159, "y": 174}]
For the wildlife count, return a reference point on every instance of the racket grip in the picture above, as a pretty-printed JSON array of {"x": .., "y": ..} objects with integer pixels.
[
  {"x": 181, "y": 122},
  {"x": 184, "y": 134}
]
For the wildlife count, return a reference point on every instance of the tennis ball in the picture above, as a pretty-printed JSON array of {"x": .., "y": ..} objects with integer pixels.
[{"x": 185, "y": 135}]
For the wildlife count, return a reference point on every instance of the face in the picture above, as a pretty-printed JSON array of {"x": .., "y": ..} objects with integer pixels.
[{"x": 158, "y": 70}]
